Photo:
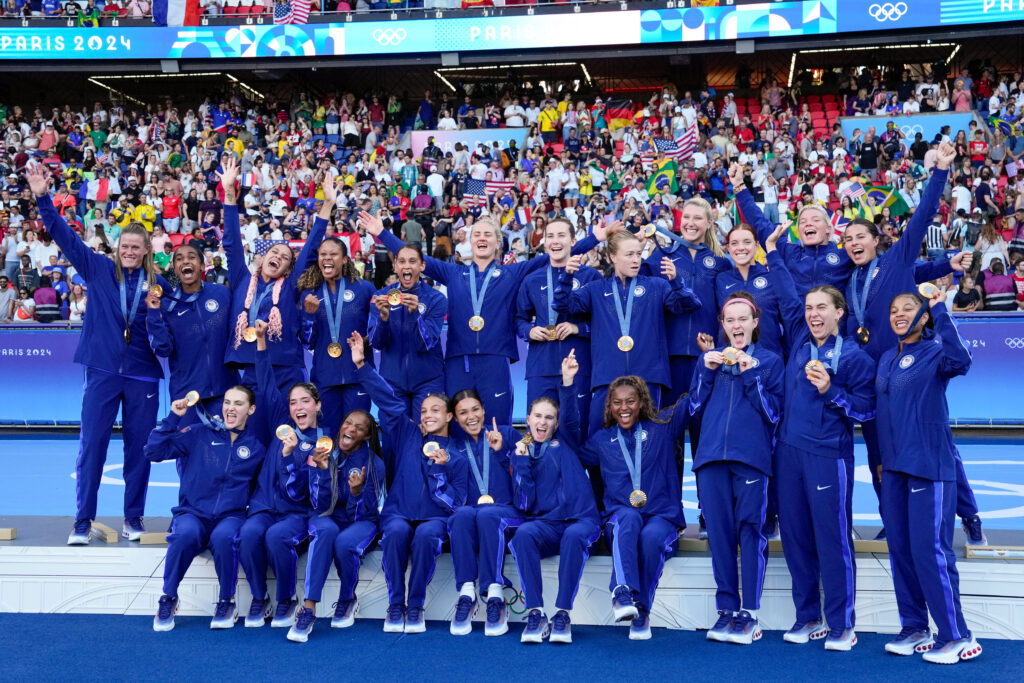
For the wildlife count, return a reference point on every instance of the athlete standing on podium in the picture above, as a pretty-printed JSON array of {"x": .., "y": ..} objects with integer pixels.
[{"x": 120, "y": 368}]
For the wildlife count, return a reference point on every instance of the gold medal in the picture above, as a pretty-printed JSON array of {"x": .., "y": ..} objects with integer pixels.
[
  {"x": 638, "y": 498},
  {"x": 812, "y": 364},
  {"x": 156, "y": 290},
  {"x": 250, "y": 334},
  {"x": 334, "y": 350},
  {"x": 283, "y": 432},
  {"x": 730, "y": 355},
  {"x": 863, "y": 336},
  {"x": 927, "y": 290},
  {"x": 649, "y": 230},
  {"x": 552, "y": 335},
  {"x": 485, "y": 500},
  {"x": 324, "y": 443},
  {"x": 395, "y": 297},
  {"x": 476, "y": 323},
  {"x": 625, "y": 343},
  {"x": 192, "y": 398},
  {"x": 430, "y": 447}
]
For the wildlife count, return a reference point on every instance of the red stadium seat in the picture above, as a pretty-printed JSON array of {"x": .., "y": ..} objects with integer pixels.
[
  {"x": 229, "y": 10},
  {"x": 176, "y": 239}
]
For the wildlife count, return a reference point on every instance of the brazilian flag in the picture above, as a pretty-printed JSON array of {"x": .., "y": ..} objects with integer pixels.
[{"x": 664, "y": 178}]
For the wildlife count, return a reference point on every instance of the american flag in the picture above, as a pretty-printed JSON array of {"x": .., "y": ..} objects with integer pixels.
[
  {"x": 261, "y": 247},
  {"x": 854, "y": 190},
  {"x": 668, "y": 147},
  {"x": 475, "y": 191},
  {"x": 291, "y": 13},
  {"x": 492, "y": 186},
  {"x": 103, "y": 159},
  {"x": 686, "y": 144},
  {"x": 647, "y": 159}
]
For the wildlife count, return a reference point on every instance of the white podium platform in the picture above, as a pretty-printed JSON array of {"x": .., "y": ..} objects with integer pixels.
[{"x": 126, "y": 579}]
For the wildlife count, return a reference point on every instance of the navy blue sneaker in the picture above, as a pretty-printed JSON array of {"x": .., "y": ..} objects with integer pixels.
[
  {"x": 623, "y": 606},
  {"x": 414, "y": 620},
  {"x": 303, "y": 626},
  {"x": 132, "y": 529},
  {"x": 81, "y": 533},
  {"x": 719, "y": 633},
  {"x": 497, "y": 617},
  {"x": 561, "y": 628},
  {"x": 702, "y": 528},
  {"x": 165, "y": 610},
  {"x": 972, "y": 527},
  {"x": 284, "y": 615},
  {"x": 225, "y": 614},
  {"x": 345, "y": 613},
  {"x": 640, "y": 628},
  {"x": 394, "y": 622},
  {"x": 462, "y": 622},
  {"x": 537, "y": 627},
  {"x": 259, "y": 610}
]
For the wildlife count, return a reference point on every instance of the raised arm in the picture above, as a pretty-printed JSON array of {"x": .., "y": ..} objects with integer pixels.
[
  {"x": 85, "y": 261},
  {"x": 791, "y": 308},
  {"x": 956, "y": 358},
  {"x": 238, "y": 272},
  {"x": 907, "y": 248},
  {"x": 752, "y": 215}
]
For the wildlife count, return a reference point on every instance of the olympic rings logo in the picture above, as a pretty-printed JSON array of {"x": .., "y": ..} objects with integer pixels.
[
  {"x": 1014, "y": 342},
  {"x": 388, "y": 36},
  {"x": 888, "y": 11},
  {"x": 909, "y": 131}
]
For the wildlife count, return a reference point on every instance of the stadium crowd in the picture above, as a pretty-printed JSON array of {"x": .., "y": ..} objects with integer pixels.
[{"x": 584, "y": 159}]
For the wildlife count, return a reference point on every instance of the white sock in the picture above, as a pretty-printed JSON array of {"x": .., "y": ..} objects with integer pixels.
[
  {"x": 495, "y": 590},
  {"x": 469, "y": 590}
]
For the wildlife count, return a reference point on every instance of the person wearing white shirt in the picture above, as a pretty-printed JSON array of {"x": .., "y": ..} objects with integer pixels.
[
  {"x": 532, "y": 113},
  {"x": 820, "y": 191},
  {"x": 435, "y": 181},
  {"x": 638, "y": 192},
  {"x": 447, "y": 122},
  {"x": 556, "y": 179},
  {"x": 700, "y": 159},
  {"x": 478, "y": 171},
  {"x": 514, "y": 115},
  {"x": 252, "y": 202},
  {"x": 961, "y": 198},
  {"x": 250, "y": 230},
  {"x": 688, "y": 113},
  {"x": 911, "y": 106}
]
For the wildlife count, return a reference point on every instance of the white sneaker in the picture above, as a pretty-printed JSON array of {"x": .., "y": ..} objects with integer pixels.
[
  {"x": 81, "y": 534},
  {"x": 953, "y": 651},
  {"x": 841, "y": 640}
]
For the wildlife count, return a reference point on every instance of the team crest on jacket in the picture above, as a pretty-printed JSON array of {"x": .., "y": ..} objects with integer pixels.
[
  {"x": 355, "y": 470},
  {"x": 833, "y": 259},
  {"x": 349, "y": 295},
  {"x": 306, "y": 446},
  {"x": 422, "y": 308},
  {"x": 643, "y": 435},
  {"x": 760, "y": 282},
  {"x": 639, "y": 290},
  {"x": 496, "y": 272},
  {"x": 145, "y": 285},
  {"x": 830, "y": 353},
  {"x": 575, "y": 284},
  {"x": 906, "y": 362},
  {"x": 243, "y": 452},
  {"x": 554, "y": 443},
  {"x": 212, "y": 305},
  {"x": 709, "y": 261}
]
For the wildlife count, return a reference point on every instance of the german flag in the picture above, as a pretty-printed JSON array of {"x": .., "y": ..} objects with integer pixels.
[{"x": 619, "y": 113}]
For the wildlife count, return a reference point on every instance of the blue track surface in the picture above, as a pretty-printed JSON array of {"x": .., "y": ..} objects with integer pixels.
[
  {"x": 39, "y": 480},
  {"x": 51, "y": 647}
]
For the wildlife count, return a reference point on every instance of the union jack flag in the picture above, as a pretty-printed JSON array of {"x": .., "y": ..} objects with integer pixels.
[{"x": 839, "y": 223}]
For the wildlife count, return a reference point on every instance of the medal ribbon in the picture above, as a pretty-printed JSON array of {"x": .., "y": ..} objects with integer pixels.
[
  {"x": 859, "y": 303},
  {"x": 478, "y": 301},
  {"x": 305, "y": 439},
  {"x": 334, "y": 317},
  {"x": 634, "y": 465},
  {"x": 482, "y": 481},
  {"x": 624, "y": 318},
  {"x": 543, "y": 449},
  {"x": 129, "y": 317},
  {"x": 176, "y": 297},
  {"x": 254, "y": 310},
  {"x": 552, "y": 316},
  {"x": 833, "y": 364}
]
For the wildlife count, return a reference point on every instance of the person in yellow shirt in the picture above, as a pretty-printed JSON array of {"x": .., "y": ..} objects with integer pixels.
[
  {"x": 122, "y": 213},
  {"x": 234, "y": 144},
  {"x": 548, "y": 120},
  {"x": 144, "y": 213}
]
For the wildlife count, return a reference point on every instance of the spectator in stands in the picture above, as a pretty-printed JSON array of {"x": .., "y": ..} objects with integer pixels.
[
  {"x": 999, "y": 289},
  {"x": 77, "y": 301},
  {"x": 47, "y": 303},
  {"x": 7, "y": 298},
  {"x": 24, "y": 307},
  {"x": 992, "y": 247},
  {"x": 28, "y": 276}
]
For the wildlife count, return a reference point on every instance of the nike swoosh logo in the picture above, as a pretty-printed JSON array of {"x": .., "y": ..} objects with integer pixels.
[
  {"x": 217, "y": 443},
  {"x": 500, "y": 395},
  {"x": 580, "y": 395},
  {"x": 917, "y": 490},
  {"x": 543, "y": 287},
  {"x": 181, "y": 313},
  {"x": 607, "y": 293},
  {"x": 730, "y": 286},
  {"x": 752, "y": 482},
  {"x": 360, "y": 393},
  {"x": 150, "y": 395},
  {"x": 822, "y": 488}
]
